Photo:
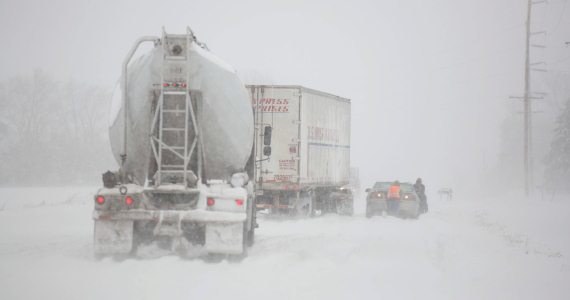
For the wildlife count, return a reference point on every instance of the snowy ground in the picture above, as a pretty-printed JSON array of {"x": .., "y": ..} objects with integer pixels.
[{"x": 484, "y": 249}]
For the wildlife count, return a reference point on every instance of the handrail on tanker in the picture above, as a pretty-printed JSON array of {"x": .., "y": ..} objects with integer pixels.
[{"x": 124, "y": 81}]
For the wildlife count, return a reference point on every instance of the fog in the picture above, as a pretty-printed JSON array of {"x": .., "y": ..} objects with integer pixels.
[
  {"x": 435, "y": 88},
  {"x": 429, "y": 81}
]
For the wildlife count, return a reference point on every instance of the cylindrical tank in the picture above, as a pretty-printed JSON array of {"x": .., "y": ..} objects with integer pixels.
[{"x": 225, "y": 115}]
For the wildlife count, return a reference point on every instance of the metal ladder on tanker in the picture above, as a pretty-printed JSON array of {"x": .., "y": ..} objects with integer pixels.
[
  {"x": 174, "y": 114},
  {"x": 175, "y": 131}
]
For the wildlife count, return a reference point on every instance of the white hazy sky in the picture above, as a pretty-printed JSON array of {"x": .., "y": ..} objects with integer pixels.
[{"x": 429, "y": 80}]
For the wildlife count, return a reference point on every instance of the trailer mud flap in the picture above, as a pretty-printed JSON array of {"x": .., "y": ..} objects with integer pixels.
[
  {"x": 113, "y": 237},
  {"x": 224, "y": 238}
]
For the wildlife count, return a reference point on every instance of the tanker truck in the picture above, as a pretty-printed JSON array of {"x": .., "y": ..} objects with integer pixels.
[
  {"x": 308, "y": 172},
  {"x": 182, "y": 132}
]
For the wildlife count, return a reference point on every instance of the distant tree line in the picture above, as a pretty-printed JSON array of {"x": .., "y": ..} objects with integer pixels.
[
  {"x": 557, "y": 173},
  {"x": 52, "y": 132},
  {"x": 550, "y": 150}
]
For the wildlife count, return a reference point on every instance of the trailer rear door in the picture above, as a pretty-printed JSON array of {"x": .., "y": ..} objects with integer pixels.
[{"x": 277, "y": 107}]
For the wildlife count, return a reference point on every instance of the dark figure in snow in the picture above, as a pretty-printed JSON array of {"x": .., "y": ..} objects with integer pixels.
[
  {"x": 393, "y": 201},
  {"x": 421, "y": 191}
]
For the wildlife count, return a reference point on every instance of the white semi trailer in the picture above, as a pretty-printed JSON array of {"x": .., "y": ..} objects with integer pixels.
[
  {"x": 183, "y": 134},
  {"x": 307, "y": 171}
]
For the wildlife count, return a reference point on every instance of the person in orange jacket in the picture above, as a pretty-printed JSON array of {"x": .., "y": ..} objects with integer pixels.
[{"x": 393, "y": 201}]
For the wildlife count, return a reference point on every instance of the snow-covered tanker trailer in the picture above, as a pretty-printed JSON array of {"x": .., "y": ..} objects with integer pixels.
[
  {"x": 182, "y": 131},
  {"x": 307, "y": 169}
]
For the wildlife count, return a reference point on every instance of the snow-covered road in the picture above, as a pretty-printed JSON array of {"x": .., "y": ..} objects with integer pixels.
[{"x": 460, "y": 250}]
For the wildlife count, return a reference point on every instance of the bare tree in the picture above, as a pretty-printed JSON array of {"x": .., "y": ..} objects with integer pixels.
[{"x": 53, "y": 133}]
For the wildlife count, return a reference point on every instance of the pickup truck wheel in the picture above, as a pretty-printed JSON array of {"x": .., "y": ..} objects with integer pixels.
[{"x": 416, "y": 215}]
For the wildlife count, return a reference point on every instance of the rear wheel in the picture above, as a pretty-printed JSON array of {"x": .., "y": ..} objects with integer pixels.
[
  {"x": 305, "y": 205},
  {"x": 235, "y": 258},
  {"x": 98, "y": 256},
  {"x": 214, "y": 257},
  {"x": 121, "y": 257},
  {"x": 250, "y": 236},
  {"x": 345, "y": 207}
]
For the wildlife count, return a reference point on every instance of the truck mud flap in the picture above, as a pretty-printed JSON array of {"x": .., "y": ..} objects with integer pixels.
[
  {"x": 224, "y": 238},
  {"x": 113, "y": 237}
]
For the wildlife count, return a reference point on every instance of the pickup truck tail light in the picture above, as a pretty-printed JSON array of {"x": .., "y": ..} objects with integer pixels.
[
  {"x": 377, "y": 195},
  {"x": 100, "y": 200},
  {"x": 239, "y": 202},
  {"x": 211, "y": 201}
]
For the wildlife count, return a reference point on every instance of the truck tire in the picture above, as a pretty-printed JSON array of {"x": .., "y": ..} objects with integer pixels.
[
  {"x": 236, "y": 258},
  {"x": 250, "y": 237},
  {"x": 350, "y": 209},
  {"x": 214, "y": 258}
]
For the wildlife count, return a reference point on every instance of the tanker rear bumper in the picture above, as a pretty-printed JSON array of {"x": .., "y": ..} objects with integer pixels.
[
  {"x": 114, "y": 230},
  {"x": 199, "y": 216}
]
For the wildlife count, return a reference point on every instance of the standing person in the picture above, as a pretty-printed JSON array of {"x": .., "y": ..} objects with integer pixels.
[
  {"x": 393, "y": 201},
  {"x": 421, "y": 191}
]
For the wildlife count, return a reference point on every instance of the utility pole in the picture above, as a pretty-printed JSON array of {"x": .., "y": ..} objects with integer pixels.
[
  {"x": 527, "y": 99},
  {"x": 526, "y": 103}
]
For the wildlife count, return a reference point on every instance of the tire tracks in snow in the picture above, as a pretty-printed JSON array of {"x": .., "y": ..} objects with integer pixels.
[{"x": 515, "y": 240}]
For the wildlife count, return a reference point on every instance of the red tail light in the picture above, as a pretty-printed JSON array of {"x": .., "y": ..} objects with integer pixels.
[
  {"x": 100, "y": 200},
  {"x": 175, "y": 84},
  {"x": 239, "y": 202},
  {"x": 166, "y": 84},
  {"x": 129, "y": 200},
  {"x": 211, "y": 202},
  {"x": 183, "y": 84}
]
